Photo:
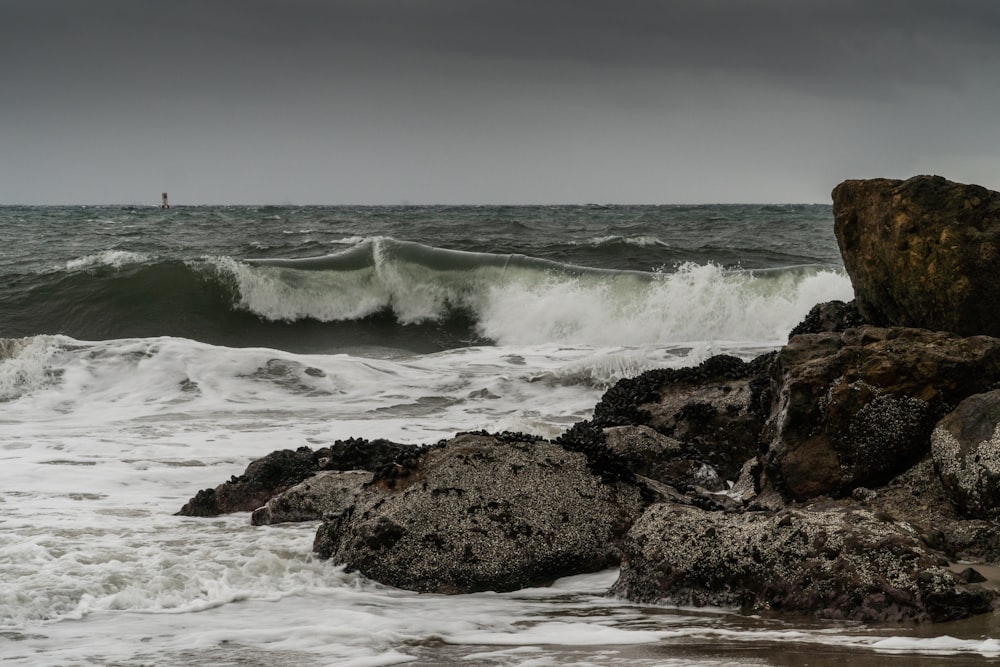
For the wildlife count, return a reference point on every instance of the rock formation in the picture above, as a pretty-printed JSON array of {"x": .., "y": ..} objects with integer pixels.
[
  {"x": 857, "y": 408},
  {"x": 717, "y": 408},
  {"x": 832, "y": 561},
  {"x": 843, "y": 476},
  {"x": 482, "y": 513},
  {"x": 661, "y": 458},
  {"x": 922, "y": 252},
  {"x": 280, "y": 470},
  {"x": 263, "y": 479},
  {"x": 830, "y": 316}
]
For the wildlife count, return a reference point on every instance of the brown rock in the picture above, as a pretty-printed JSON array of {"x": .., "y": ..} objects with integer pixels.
[
  {"x": 924, "y": 252},
  {"x": 666, "y": 460},
  {"x": 278, "y": 471},
  {"x": 829, "y": 316},
  {"x": 856, "y": 408},
  {"x": 263, "y": 479},
  {"x": 919, "y": 498}
]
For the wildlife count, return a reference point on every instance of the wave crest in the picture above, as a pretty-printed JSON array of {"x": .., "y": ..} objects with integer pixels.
[
  {"x": 111, "y": 258},
  {"x": 515, "y": 299},
  {"x": 382, "y": 292}
]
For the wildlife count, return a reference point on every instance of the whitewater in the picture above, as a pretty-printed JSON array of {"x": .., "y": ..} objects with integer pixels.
[{"x": 145, "y": 355}]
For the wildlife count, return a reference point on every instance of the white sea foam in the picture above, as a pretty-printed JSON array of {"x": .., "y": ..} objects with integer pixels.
[
  {"x": 349, "y": 240},
  {"x": 148, "y": 383},
  {"x": 640, "y": 241},
  {"x": 23, "y": 365},
  {"x": 943, "y": 645},
  {"x": 696, "y": 303},
  {"x": 528, "y": 305},
  {"x": 113, "y": 258},
  {"x": 103, "y": 441}
]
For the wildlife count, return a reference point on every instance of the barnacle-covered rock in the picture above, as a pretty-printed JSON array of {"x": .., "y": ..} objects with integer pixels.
[
  {"x": 717, "y": 407},
  {"x": 857, "y": 407},
  {"x": 275, "y": 473},
  {"x": 966, "y": 448},
  {"x": 832, "y": 561},
  {"x": 829, "y": 316},
  {"x": 263, "y": 479},
  {"x": 484, "y": 513},
  {"x": 653, "y": 455}
]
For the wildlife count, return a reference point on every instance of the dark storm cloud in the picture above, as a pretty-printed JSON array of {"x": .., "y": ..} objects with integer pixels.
[
  {"x": 378, "y": 100},
  {"x": 860, "y": 45},
  {"x": 780, "y": 37},
  {"x": 857, "y": 43}
]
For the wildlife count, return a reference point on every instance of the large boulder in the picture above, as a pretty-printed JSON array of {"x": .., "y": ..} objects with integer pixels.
[
  {"x": 482, "y": 512},
  {"x": 828, "y": 561},
  {"x": 923, "y": 252},
  {"x": 853, "y": 409},
  {"x": 966, "y": 448}
]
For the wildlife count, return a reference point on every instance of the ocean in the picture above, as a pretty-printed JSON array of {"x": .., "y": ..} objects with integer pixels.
[{"x": 146, "y": 354}]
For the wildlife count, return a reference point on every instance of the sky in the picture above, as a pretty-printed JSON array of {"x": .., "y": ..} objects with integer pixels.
[{"x": 491, "y": 102}]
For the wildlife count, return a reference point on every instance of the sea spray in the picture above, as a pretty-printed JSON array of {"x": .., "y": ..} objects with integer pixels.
[
  {"x": 23, "y": 367},
  {"x": 696, "y": 303}
]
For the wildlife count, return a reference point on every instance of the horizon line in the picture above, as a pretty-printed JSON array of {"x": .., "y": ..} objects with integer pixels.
[{"x": 405, "y": 204}]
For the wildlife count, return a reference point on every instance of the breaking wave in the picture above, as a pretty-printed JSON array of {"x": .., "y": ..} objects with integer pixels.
[{"x": 382, "y": 291}]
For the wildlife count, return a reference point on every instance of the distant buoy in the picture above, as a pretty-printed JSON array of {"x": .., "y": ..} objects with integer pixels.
[{"x": 165, "y": 204}]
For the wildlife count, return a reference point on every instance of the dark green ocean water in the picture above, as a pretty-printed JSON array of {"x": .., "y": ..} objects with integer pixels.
[{"x": 419, "y": 278}]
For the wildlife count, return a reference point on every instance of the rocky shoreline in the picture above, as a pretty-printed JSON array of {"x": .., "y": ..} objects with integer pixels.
[{"x": 853, "y": 474}]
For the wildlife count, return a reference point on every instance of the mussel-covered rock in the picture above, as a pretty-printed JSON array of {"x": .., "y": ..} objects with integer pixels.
[{"x": 483, "y": 513}]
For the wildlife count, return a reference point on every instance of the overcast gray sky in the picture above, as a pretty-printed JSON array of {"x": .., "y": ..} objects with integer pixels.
[{"x": 476, "y": 101}]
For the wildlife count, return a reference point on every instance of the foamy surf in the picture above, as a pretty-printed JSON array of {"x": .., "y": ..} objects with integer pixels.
[
  {"x": 515, "y": 300},
  {"x": 346, "y": 620},
  {"x": 47, "y": 380}
]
